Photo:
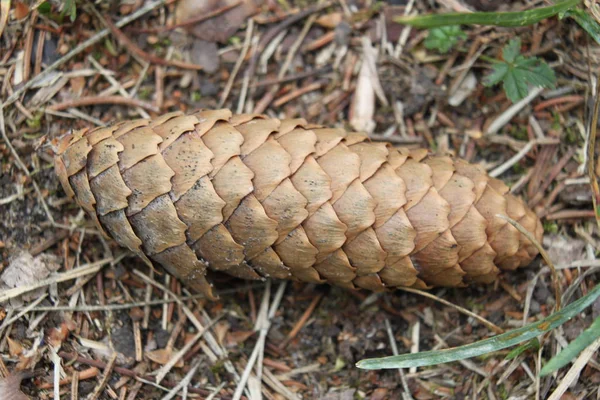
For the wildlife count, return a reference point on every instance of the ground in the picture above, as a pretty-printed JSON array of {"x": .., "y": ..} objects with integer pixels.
[{"x": 118, "y": 327}]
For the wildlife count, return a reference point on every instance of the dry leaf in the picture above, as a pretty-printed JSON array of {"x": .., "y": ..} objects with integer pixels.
[
  {"x": 25, "y": 270},
  {"x": 221, "y": 329},
  {"x": 77, "y": 85},
  {"x": 21, "y": 10},
  {"x": 330, "y": 20},
  {"x": 10, "y": 388},
  {"x": 221, "y": 27},
  {"x": 162, "y": 356},
  {"x": 59, "y": 334},
  {"x": 206, "y": 54},
  {"x": 236, "y": 338},
  {"x": 15, "y": 348}
]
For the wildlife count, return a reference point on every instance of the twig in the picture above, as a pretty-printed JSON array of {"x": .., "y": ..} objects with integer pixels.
[
  {"x": 512, "y": 111},
  {"x": 571, "y": 214},
  {"x": 280, "y": 27},
  {"x": 590, "y": 151},
  {"x": 522, "y": 153},
  {"x": 415, "y": 338},
  {"x": 545, "y": 256},
  {"x": 184, "y": 382},
  {"x": 106, "y": 375},
  {"x": 22, "y": 165},
  {"x": 132, "y": 47},
  {"x": 463, "y": 310},
  {"x": 210, "y": 339},
  {"x": 95, "y": 100},
  {"x": 302, "y": 321},
  {"x": 238, "y": 63},
  {"x": 90, "y": 42},
  {"x": 164, "y": 370},
  {"x": 297, "y": 93},
  {"x": 259, "y": 347},
  {"x": 191, "y": 21},
  {"x": 290, "y": 78},
  {"x": 115, "y": 83},
  {"x": 70, "y": 357},
  {"x": 75, "y": 382},
  {"x": 406, "y": 395},
  {"x": 75, "y": 377},
  {"x": 575, "y": 370}
]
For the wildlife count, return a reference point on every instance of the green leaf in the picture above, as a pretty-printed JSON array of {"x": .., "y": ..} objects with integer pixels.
[
  {"x": 512, "y": 50},
  {"x": 444, "y": 38},
  {"x": 533, "y": 344},
  {"x": 506, "y": 19},
  {"x": 70, "y": 9},
  {"x": 45, "y": 8},
  {"x": 573, "y": 349},
  {"x": 585, "y": 20},
  {"x": 517, "y": 72},
  {"x": 485, "y": 346}
]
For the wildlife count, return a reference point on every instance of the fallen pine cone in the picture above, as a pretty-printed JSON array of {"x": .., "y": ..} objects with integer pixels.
[{"x": 258, "y": 197}]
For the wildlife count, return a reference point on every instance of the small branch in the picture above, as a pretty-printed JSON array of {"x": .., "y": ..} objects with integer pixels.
[
  {"x": 463, "y": 310},
  {"x": 92, "y": 101},
  {"x": 90, "y": 42},
  {"x": 132, "y": 47}
]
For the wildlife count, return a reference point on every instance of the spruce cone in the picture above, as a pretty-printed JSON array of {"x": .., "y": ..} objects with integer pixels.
[{"x": 258, "y": 197}]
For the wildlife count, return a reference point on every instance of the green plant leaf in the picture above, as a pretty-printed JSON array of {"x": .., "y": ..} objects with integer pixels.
[
  {"x": 573, "y": 349},
  {"x": 517, "y": 72},
  {"x": 511, "y": 50},
  {"x": 533, "y": 344},
  {"x": 444, "y": 38},
  {"x": 45, "y": 8},
  {"x": 506, "y": 19},
  {"x": 70, "y": 9},
  {"x": 585, "y": 20},
  {"x": 485, "y": 346}
]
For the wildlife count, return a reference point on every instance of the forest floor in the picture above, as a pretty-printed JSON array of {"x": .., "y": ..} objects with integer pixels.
[{"x": 107, "y": 330}]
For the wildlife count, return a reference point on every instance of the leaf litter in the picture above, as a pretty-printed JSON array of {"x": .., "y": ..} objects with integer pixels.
[{"x": 321, "y": 346}]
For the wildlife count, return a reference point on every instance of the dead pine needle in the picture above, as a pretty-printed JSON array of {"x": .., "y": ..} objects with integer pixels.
[
  {"x": 543, "y": 253},
  {"x": 463, "y": 310},
  {"x": 590, "y": 151}
]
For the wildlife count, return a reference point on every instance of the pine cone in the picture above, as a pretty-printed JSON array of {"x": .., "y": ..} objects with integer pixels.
[{"x": 258, "y": 197}]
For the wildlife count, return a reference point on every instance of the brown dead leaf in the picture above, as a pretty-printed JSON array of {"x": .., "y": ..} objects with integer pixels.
[
  {"x": 331, "y": 20},
  {"x": 25, "y": 269},
  {"x": 15, "y": 348},
  {"x": 221, "y": 329},
  {"x": 221, "y": 27},
  {"x": 563, "y": 250},
  {"x": 57, "y": 335},
  {"x": 21, "y": 10},
  {"x": 162, "y": 356},
  {"x": 10, "y": 388},
  {"x": 238, "y": 337},
  {"x": 77, "y": 85},
  {"x": 206, "y": 54}
]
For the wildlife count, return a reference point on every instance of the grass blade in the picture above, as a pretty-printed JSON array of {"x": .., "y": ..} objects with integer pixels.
[
  {"x": 506, "y": 19},
  {"x": 481, "y": 347},
  {"x": 569, "y": 353},
  {"x": 586, "y": 21}
]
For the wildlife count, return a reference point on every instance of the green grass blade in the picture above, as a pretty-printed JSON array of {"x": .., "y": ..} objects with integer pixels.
[
  {"x": 506, "y": 19},
  {"x": 586, "y": 21},
  {"x": 569, "y": 353},
  {"x": 485, "y": 346}
]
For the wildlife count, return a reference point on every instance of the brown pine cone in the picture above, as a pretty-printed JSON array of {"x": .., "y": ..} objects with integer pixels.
[{"x": 258, "y": 197}]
